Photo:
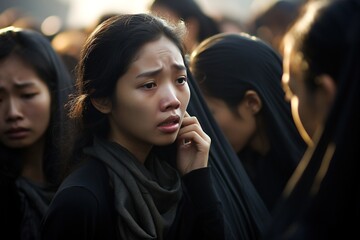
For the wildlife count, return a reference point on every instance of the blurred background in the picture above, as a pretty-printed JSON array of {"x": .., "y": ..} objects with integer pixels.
[
  {"x": 62, "y": 14},
  {"x": 67, "y": 23}
]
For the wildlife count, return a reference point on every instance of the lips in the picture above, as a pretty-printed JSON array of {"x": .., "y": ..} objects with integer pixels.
[
  {"x": 170, "y": 120},
  {"x": 16, "y": 133},
  {"x": 170, "y": 125}
]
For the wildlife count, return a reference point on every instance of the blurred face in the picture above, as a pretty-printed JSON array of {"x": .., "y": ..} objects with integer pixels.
[
  {"x": 24, "y": 104},
  {"x": 238, "y": 130},
  {"x": 302, "y": 104},
  {"x": 151, "y": 97},
  {"x": 190, "y": 39}
]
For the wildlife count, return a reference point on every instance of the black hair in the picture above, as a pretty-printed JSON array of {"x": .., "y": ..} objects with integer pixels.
[
  {"x": 35, "y": 49},
  {"x": 106, "y": 56}
]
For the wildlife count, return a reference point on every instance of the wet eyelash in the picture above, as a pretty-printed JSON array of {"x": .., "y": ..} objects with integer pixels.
[
  {"x": 149, "y": 85},
  {"x": 183, "y": 79}
]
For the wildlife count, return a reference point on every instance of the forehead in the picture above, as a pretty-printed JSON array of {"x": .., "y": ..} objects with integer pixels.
[
  {"x": 161, "y": 48},
  {"x": 14, "y": 71}
]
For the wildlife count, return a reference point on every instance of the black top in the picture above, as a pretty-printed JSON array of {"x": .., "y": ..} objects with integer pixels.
[
  {"x": 268, "y": 173},
  {"x": 91, "y": 213}
]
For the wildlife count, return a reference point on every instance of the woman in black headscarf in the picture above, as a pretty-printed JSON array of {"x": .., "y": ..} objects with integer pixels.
[
  {"x": 34, "y": 129},
  {"x": 240, "y": 77},
  {"x": 321, "y": 78}
]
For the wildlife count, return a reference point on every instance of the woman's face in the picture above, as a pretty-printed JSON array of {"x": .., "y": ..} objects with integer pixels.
[
  {"x": 24, "y": 104},
  {"x": 238, "y": 129},
  {"x": 151, "y": 97},
  {"x": 302, "y": 104}
]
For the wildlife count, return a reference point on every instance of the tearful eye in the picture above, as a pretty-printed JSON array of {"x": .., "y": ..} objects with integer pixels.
[
  {"x": 149, "y": 85},
  {"x": 181, "y": 80},
  {"x": 28, "y": 95}
]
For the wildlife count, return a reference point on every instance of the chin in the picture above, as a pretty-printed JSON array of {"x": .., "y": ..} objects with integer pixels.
[{"x": 166, "y": 140}]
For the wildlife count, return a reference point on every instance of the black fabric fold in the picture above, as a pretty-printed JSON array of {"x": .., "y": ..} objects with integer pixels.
[{"x": 146, "y": 198}]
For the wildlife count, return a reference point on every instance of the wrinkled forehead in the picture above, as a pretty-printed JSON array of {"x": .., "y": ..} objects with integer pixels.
[{"x": 159, "y": 49}]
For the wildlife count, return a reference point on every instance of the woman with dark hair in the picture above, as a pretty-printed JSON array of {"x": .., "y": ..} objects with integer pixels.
[
  {"x": 131, "y": 107},
  {"x": 34, "y": 86},
  {"x": 142, "y": 41},
  {"x": 240, "y": 78},
  {"x": 321, "y": 78}
]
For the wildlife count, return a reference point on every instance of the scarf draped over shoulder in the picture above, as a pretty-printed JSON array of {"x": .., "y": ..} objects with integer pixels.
[{"x": 146, "y": 196}]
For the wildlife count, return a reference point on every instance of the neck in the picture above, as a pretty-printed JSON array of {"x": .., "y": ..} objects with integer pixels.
[
  {"x": 33, "y": 158},
  {"x": 260, "y": 142}
]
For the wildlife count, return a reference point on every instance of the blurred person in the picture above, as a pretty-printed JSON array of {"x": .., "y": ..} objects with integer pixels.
[
  {"x": 240, "y": 77},
  {"x": 34, "y": 86},
  {"x": 321, "y": 78},
  {"x": 102, "y": 18},
  {"x": 27, "y": 22},
  {"x": 199, "y": 25},
  {"x": 229, "y": 25},
  {"x": 10, "y": 15},
  {"x": 68, "y": 44},
  {"x": 271, "y": 23}
]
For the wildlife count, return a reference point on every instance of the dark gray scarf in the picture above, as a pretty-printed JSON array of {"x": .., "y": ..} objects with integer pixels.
[
  {"x": 35, "y": 200},
  {"x": 146, "y": 196}
]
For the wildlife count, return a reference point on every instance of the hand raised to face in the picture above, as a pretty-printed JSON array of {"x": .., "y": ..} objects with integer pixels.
[{"x": 193, "y": 146}]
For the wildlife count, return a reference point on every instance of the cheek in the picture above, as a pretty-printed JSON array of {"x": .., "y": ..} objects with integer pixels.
[
  {"x": 133, "y": 114},
  {"x": 306, "y": 116},
  {"x": 237, "y": 131},
  {"x": 184, "y": 98},
  {"x": 39, "y": 112},
  {"x": 243, "y": 133}
]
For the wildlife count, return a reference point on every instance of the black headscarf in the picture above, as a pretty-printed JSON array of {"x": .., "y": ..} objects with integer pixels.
[
  {"x": 245, "y": 212},
  {"x": 21, "y": 201},
  {"x": 226, "y": 66},
  {"x": 322, "y": 199},
  {"x": 244, "y": 209}
]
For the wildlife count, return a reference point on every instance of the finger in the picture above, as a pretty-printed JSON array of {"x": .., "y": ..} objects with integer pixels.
[
  {"x": 193, "y": 137},
  {"x": 190, "y": 120},
  {"x": 192, "y": 128}
]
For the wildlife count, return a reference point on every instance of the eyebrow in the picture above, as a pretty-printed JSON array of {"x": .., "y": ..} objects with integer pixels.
[
  {"x": 21, "y": 85},
  {"x": 156, "y": 71}
]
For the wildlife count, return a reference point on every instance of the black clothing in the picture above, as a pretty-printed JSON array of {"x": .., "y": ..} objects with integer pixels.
[
  {"x": 90, "y": 212},
  {"x": 22, "y": 202},
  {"x": 89, "y": 206},
  {"x": 245, "y": 212},
  {"x": 323, "y": 202},
  {"x": 269, "y": 169},
  {"x": 251, "y": 64},
  {"x": 146, "y": 195},
  {"x": 34, "y": 201}
]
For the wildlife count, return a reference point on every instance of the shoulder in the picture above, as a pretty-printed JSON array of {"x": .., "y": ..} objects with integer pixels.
[
  {"x": 91, "y": 175},
  {"x": 82, "y": 205},
  {"x": 84, "y": 189}
]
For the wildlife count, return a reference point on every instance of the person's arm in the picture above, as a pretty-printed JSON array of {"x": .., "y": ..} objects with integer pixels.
[
  {"x": 207, "y": 208},
  {"x": 71, "y": 215},
  {"x": 199, "y": 214}
]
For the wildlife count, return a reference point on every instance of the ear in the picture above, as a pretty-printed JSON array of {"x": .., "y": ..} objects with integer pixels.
[
  {"x": 252, "y": 101},
  {"x": 328, "y": 87},
  {"x": 103, "y": 105}
]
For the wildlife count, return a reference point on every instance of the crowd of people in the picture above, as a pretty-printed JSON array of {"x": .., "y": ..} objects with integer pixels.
[{"x": 162, "y": 125}]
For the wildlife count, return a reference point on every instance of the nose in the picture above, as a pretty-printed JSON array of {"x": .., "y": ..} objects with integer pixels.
[
  {"x": 169, "y": 99},
  {"x": 13, "y": 112}
]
